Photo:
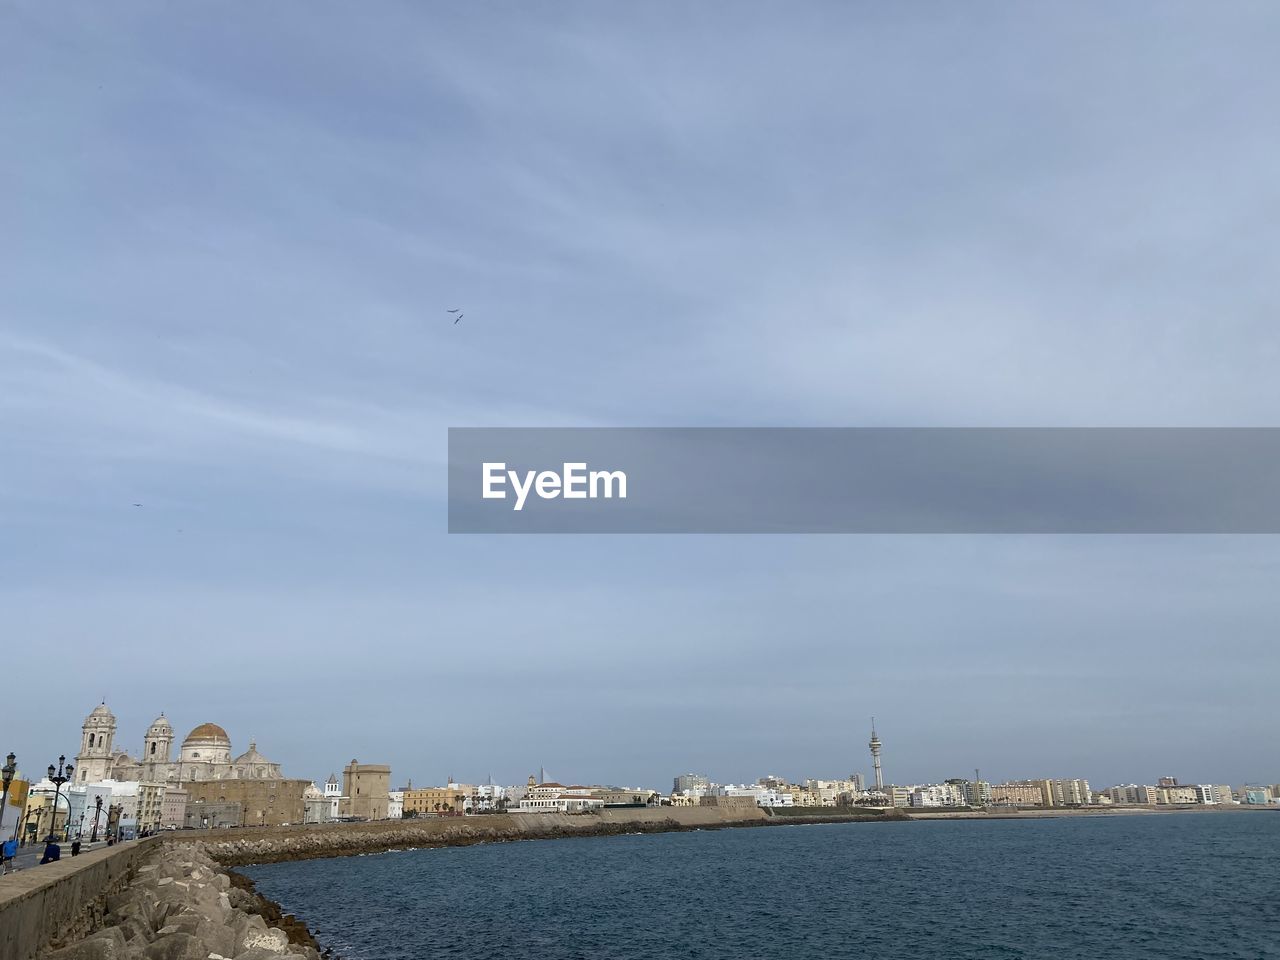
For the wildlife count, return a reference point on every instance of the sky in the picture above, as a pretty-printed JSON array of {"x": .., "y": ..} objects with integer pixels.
[{"x": 230, "y": 238}]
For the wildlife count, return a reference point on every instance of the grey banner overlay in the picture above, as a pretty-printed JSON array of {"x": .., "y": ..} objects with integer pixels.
[{"x": 869, "y": 480}]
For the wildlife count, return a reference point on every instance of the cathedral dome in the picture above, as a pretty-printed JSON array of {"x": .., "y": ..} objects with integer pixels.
[
  {"x": 101, "y": 712},
  {"x": 210, "y": 732},
  {"x": 162, "y": 723}
]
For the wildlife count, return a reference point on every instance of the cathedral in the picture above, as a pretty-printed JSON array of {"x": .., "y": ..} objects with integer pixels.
[{"x": 204, "y": 755}]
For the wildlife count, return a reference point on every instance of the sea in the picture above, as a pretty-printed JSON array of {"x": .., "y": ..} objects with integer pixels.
[{"x": 1173, "y": 886}]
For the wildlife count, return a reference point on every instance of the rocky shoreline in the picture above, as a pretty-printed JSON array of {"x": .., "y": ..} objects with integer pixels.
[
  {"x": 182, "y": 905},
  {"x": 245, "y": 848}
]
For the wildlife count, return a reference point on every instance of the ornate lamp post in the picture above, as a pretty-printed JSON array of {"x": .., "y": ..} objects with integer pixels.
[
  {"x": 6, "y": 778},
  {"x": 97, "y": 812},
  {"x": 58, "y": 777}
]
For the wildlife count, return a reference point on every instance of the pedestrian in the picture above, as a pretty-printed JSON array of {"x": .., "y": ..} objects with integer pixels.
[
  {"x": 52, "y": 851},
  {"x": 8, "y": 850},
  {"x": 75, "y": 847}
]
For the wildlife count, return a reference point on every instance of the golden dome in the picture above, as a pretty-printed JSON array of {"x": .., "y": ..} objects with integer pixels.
[{"x": 208, "y": 731}]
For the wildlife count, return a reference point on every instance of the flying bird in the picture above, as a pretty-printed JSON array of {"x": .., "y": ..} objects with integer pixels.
[
  {"x": 137, "y": 504},
  {"x": 454, "y": 310},
  {"x": 457, "y": 318}
]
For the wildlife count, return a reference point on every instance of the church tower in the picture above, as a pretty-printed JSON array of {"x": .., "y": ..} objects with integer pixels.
[
  {"x": 158, "y": 744},
  {"x": 93, "y": 762}
]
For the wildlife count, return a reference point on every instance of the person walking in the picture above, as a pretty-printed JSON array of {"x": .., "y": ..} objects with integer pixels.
[
  {"x": 52, "y": 851},
  {"x": 8, "y": 850}
]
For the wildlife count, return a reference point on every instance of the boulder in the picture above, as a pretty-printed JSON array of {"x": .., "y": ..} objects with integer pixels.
[
  {"x": 272, "y": 940},
  {"x": 176, "y": 946},
  {"x": 107, "y": 944}
]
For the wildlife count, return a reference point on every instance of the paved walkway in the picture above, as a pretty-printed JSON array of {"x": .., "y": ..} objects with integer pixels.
[{"x": 29, "y": 856}]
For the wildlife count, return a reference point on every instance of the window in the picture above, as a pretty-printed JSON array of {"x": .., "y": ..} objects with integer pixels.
[
  {"x": 153, "y": 749},
  {"x": 91, "y": 739}
]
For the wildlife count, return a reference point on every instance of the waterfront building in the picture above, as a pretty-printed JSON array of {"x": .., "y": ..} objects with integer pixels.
[
  {"x": 626, "y": 796},
  {"x": 315, "y": 805},
  {"x": 365, "y": 790},
  {"x": 257, "y": 803},
  {"x": 897, "y": 796},
  {"x": 762, "y": 795},
  {"x": 150, "y": 808},
  {"x": 43, "y": 813},
  {"x": 488, "y": 796},
  {"x": 937, "y": 795},
  {"x": 1132, "y": 794},
  {"x": 139, "y": 805},
  {"x": 452, "y": 798},
  {"x": 1180, "y": 794},
  {"x": 833, "y": 793},
  {"x": 333, "y": 793},
  {"x": 552, "y": 797},
  {"x": 1065, "y": 793},
  {"x": 205, "y": 754},
  {"x": 395, "y": 804},
  {"x": 173, "y": 811},
  {"x": 1017, "y": 793},
  {"x": 1206, "y": 793},
  {"x": 203, "y": 814},
  {"x": 691, "y": 784},
  {"x": 976, "y": 793}
]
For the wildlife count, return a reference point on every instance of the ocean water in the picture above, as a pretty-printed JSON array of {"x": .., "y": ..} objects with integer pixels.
[{"x": 1166, "y": 885}]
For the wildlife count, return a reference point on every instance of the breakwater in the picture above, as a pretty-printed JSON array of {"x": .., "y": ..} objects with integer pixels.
[{"x": 241, "y": 847}]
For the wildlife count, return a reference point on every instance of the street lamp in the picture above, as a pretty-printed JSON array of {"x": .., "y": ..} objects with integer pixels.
[
  {"x": 6, "y": 778},
  {"x": 59, "y": 776},
  {"x": 97, "y": 812}
]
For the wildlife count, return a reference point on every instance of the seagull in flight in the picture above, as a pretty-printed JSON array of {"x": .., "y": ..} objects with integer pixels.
[
  {"x": 457, "y": 318},
  {"x": 454, "y": 310},
  {"x": 137, "y": 504}
]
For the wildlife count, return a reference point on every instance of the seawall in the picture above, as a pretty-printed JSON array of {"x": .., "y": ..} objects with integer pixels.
[{"x": 65, "y": 900}]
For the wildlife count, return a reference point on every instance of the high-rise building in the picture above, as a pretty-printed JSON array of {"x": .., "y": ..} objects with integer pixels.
[{"x": 691, "y": 783}]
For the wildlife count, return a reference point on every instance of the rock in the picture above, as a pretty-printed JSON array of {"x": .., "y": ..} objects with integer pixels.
[
  {"x": 135, "y": 930},
  {"x": 272, "y": 940},
  {"x": 106, "y": 944},
  {"x": 176, "y": 946}
]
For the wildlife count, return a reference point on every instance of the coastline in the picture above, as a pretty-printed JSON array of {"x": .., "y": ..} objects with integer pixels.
[
  {"x": 186, "y": 888},
  {"x": 321, "y": 841}
]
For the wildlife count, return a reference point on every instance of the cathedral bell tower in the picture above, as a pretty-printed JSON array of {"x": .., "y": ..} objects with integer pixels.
[
  {"x": 158, "y": 744},
  {"x": 93, "y": 762}
]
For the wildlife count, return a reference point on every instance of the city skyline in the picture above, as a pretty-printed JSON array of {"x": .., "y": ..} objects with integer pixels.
[{"x": 423, "y": 773}]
